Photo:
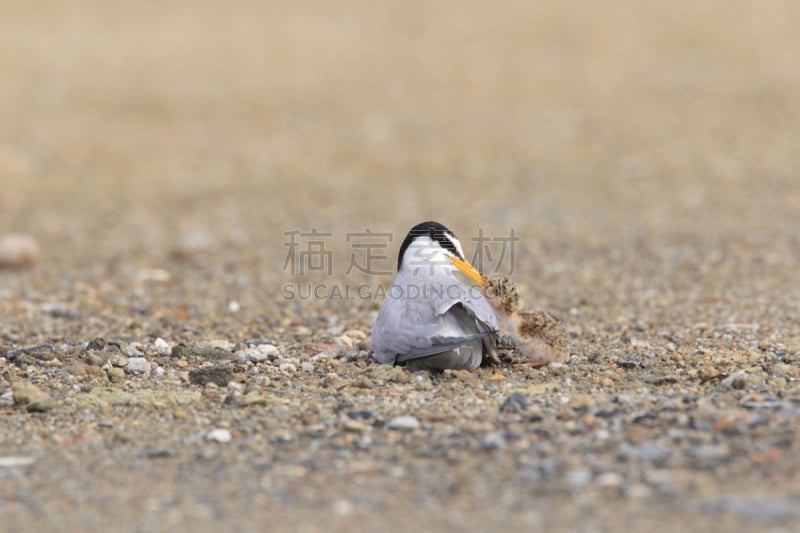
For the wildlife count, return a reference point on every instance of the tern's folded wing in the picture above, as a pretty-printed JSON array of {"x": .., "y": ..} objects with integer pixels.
[
  {"x": 408, "y": 329},
  {"x": 438, "y": 345}
]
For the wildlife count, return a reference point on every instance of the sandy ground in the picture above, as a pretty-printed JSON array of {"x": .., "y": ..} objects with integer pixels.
[{"x": 163, "y": 154}]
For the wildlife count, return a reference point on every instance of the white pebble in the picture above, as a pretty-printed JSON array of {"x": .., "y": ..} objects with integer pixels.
[
  {"x": 287, "y": 367},
  {"x": 259, "y": 353},
  {"x": 267, "y": 349},
  {"x": 609, "y": 479},
  {"x": 404, "y": 423},
  {"x": 220, "y": 435},
  {"x": 233, "y": 306},
  {"x": 16, "y": 460},
  {"x": 346, "y": 341},
  {"x": 162, "y": 347},
  {"x": 308, "y": 367},
  {"x": 251, "y": 355}
]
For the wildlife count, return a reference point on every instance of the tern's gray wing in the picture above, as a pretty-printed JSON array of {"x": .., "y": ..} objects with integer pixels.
[
  {"x": 410, "y": 328},
  {"x": 451, "y": 329},
  {"x": 474, "y": 304},
  {"x": 438, "y": 345}
]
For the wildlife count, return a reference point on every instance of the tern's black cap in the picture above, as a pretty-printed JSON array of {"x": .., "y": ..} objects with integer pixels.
[{"x": 435, "y": 232}]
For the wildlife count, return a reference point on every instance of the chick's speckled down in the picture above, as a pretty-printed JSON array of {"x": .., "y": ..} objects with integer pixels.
[
  {"x": 538, "y": 335},
  {"x": 545, "y": 335},
  {"x": 503, "y": 295}
]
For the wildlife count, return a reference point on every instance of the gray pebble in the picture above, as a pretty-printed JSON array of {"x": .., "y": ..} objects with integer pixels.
[
  {"x": 760, "y": 510},
  {"x": 707, "y": 455},
  {"x": 737, "y": 380},
  {"x": 219, "y": 375},
  {"x": 652, "y": 453},
  {"x": 578, "y": 477},
  {"x": 133, "y": 349},
  {"x": 493, "y": 441},
  {"x": 516, "y": 403},
  {"x": 156, "y": 453},
  {"x": 623, "y": 399},
  {"x": 138, "y": 365}
]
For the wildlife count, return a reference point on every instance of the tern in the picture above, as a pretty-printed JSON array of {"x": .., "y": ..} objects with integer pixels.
[{"x": 435, "y": 316}]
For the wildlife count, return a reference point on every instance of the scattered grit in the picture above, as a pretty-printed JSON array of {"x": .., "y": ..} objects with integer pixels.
[{"x": 307, "y": 420}]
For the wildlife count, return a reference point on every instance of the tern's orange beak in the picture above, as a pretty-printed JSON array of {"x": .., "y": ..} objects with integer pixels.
[{"x": 470, "y": 271}]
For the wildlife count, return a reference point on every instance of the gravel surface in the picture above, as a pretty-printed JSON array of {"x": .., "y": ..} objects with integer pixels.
[{"x": 168, "y": 361}]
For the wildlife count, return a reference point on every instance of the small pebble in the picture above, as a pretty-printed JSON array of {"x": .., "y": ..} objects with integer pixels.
[
  {"x": 578, "y": 477},
  {"x": 138, "y": 365},
  {"x": 133, "y": 349},
  {"x": 14, "y": 461},
  {"x": 737, "y": 380},
  {"x": 764, "y": 510},
  {"x": 652, "y": 453},
  {"x": 115, "y": 374},
  {"x": 94, "y": 359},
  {"x": 220, "y": 435},
  {"x": 623, "y": 399},
  {"x": 354, "y": 426},
  {"x": 162, "y": 347},
  {"x": 76, "y": 369},
  {"x": 404, "y": 423},
  {"x": 516, "y": 403},
  {"x": 219, "y": 375},
  {"x": 609, "y": 480},
  {"x": 493, "y": 441},
  {"x": 32, "y": 397},
  {"x": 259, "y": 353}
]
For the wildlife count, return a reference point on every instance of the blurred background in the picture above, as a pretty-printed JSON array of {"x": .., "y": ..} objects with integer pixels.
[
  {"x": 155, "y": 135},
  {"x": 157, "y": 157}
]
